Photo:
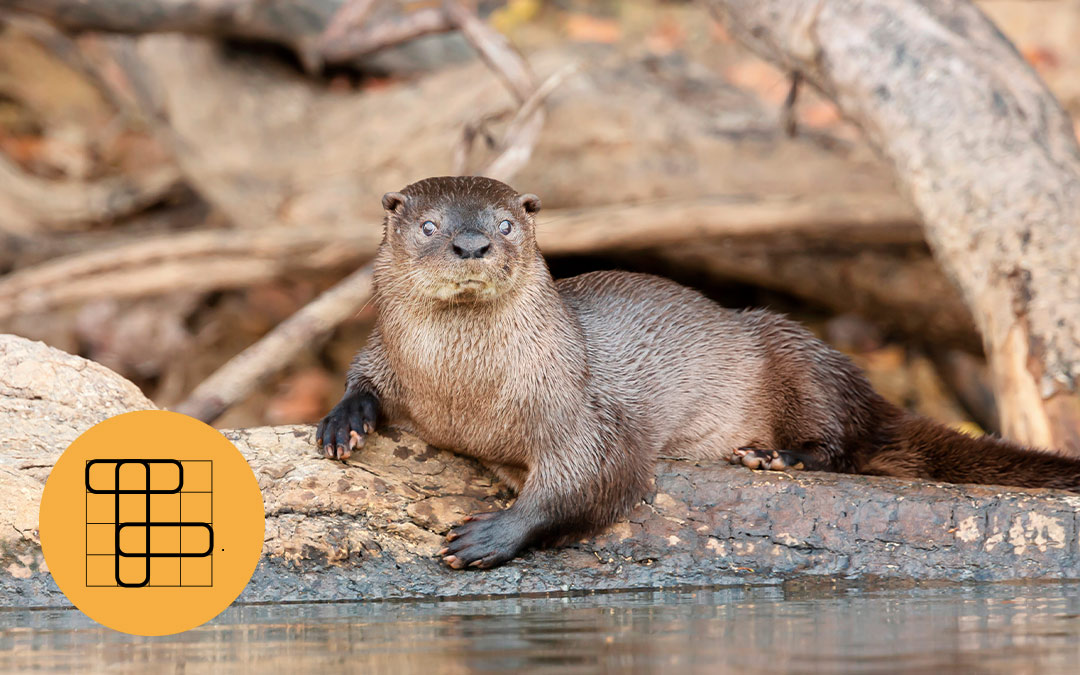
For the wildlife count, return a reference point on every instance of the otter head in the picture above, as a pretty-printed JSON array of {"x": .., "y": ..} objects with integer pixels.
[{"x": 459, "y": 239}]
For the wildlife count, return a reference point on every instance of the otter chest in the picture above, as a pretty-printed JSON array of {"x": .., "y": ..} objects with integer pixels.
[{"x": 467, "y": 390}]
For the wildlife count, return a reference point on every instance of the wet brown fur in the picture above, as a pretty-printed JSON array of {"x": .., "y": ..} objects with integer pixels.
[{"x": 570, "y": 390}]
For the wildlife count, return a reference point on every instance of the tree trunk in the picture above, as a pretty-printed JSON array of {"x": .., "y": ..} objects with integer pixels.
[{"x": 989, "y": 158}]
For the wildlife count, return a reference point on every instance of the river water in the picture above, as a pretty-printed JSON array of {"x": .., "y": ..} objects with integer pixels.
[{"x": 1000, "y": 628}]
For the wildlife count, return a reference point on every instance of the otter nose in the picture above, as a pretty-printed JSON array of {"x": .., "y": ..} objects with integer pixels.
[{"x": 471, "y": 245}]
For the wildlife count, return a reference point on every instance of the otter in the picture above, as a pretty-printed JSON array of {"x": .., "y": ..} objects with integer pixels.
[{"x": 569, "y": 390}]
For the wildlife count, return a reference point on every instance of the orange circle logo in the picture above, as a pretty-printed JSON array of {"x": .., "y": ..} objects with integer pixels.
[{"x": 151, "y": 522}]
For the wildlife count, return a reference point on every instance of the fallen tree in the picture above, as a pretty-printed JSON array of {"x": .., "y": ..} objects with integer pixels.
[
  {"x": 989, "y": 158},
  {"x": 370, "y": 528}
]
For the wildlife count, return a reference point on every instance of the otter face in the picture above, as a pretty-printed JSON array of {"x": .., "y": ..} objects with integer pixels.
[{"x": 460, "y": 239}]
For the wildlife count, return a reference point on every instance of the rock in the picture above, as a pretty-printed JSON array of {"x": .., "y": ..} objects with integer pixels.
[
  {"x": 370, "y": 528},
  {"x": 47, "y": 399}
]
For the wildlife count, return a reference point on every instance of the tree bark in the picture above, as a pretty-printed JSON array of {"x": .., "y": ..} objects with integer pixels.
[
  {"x": 989, "y": 158},
  {"x": 371, "y": 528}
]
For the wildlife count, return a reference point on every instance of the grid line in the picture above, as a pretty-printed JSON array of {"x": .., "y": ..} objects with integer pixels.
[{"x": 147, "y": 523}]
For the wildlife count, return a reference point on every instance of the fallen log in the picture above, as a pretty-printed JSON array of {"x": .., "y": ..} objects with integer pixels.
[{"x": 370, "y": 529}]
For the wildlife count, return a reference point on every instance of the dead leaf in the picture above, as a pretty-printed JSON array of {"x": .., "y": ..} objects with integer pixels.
[
  {"x": 1042, "y": 58},
  {"x": 587, "y": 28}
]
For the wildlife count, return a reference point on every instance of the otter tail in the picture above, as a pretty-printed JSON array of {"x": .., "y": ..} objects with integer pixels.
[{"x": 916, "y": 447}]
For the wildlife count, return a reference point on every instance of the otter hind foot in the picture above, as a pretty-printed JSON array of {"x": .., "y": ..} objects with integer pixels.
[
  {"x": 771, "y": 460},
  {"x": 345, "y": 427},
  {"x": 485, "y": 540}
]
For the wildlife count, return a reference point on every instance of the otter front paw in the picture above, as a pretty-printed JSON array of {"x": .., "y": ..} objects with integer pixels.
[
  {"x": 346, "y": 426},
  {"x": 485, "y": 540}
]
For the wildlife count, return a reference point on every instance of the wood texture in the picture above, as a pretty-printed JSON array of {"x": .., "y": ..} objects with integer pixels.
[{"x": 987, "y": 155}]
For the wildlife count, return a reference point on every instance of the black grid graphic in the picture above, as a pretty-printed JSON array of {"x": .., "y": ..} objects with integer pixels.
[{"x": 136, "y": 532}]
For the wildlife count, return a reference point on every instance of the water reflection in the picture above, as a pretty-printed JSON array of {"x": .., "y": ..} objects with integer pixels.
[{"x": 991, "y": 629}]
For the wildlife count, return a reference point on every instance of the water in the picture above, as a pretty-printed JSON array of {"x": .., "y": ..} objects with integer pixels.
[{"x": 999, "y": 628}]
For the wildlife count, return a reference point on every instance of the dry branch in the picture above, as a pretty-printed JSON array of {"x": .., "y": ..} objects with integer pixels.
[
  {"x": 989, "y": 158},
  {"x": 494, "y": 49},
  {"x": 900, "y": 288},
  {"x": 521, "y": 134},
  {"x": 276, "y": 350},
  {"x": 196, "y": 261},
  {"x": 202, "y": 261},
  {"x": 31, "y": 202},
  {"x": 326, "y": 31},
  {"x": 386, "y": 33}
]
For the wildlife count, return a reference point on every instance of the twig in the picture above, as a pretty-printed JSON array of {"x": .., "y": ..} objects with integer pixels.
[
  {"x": 787, "y": 113},
  {"x": 494, "y": 49},
  {"x": 247, "y": 370},
  {"x": 524, "y": 130},
  {"x": 387, "y": 33},
  {"x": 348, "y": 18}
]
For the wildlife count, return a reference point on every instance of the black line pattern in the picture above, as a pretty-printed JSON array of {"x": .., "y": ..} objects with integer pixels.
[{"x": 147, "y": 524}]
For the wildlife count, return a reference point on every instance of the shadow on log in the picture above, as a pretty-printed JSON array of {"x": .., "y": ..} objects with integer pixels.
[{"x": 370, "y": 529}]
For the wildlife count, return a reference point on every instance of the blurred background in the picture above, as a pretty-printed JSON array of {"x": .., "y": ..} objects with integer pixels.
[{"x": 168, "y": 198}]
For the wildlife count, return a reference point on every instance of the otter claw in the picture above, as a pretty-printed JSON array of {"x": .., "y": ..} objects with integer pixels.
[
  {"x": 339, "y": 433},
  {"x": 770, "y": 460},
  {"x": 487, "y": 539}
]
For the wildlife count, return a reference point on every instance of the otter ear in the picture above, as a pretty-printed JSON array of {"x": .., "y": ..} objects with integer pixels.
[
  {"x": 531, "y": 203},
  {"x": 393, "y": 201}
]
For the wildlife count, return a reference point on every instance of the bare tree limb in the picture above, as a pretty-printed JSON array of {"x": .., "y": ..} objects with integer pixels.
[
  {"x": 386, "y": 33},
  {"x": 494, "y": 49},
  {"x": 326, "y": 31},
  {"x": 350, "y": 16},
  {"x": 310, "y": 325},
  {"x": 989, "y": 158},
  {"x": 31, "y": 201},
  {"x": 218, "y": 259},
  {"x": 196, "y": 261},
  {"x": 521, "y": 134}
]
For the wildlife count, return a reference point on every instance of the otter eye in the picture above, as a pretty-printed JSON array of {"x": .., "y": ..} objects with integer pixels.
[
  {"x": 428, "y": 228},
  {"x": 505, "y": 227}
]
